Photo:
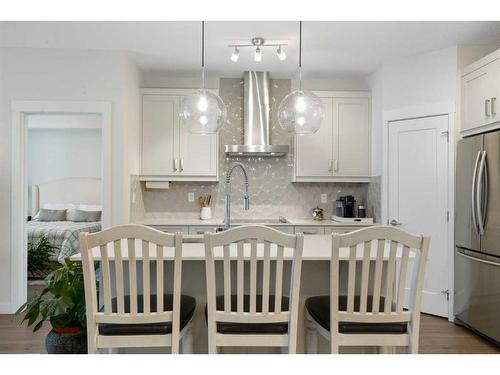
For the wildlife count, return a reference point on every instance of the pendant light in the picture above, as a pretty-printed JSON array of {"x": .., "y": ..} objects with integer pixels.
[
  {"x": 202, "y": 112},
  {"x": 301, "y": 112}
]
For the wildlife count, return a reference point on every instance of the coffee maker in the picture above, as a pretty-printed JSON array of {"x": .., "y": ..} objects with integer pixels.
[{"x": 345, "y": 206}]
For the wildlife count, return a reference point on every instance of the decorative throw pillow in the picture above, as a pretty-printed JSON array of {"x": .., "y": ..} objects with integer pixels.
[
  {"x": 81, "y": 215},
  {"x": 51, "y": 215}
]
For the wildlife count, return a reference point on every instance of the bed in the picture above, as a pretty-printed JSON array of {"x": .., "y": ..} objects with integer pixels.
[{"x": 78, "y": 192}]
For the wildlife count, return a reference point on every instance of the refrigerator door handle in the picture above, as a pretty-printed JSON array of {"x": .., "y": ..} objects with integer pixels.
[
  {"x": 481, "y": 200},
  {"x": 478, "y": 259},
  {"x": 473, "y": 200}
]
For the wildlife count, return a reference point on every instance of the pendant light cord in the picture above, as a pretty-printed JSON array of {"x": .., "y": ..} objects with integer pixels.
[
  {"x": 300, "y": 55},
  {"x": 203, "y": 54}
]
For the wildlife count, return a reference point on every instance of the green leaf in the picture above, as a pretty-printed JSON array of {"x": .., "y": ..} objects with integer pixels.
[{"x": 38, "y": 326}]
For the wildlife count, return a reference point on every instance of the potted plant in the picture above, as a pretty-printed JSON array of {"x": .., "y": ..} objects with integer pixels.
[
  {"x": 62, "y": 303},
  {"x": 39, "y": 257}
]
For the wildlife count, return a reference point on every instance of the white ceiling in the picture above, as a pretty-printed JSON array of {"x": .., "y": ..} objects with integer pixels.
[{"x": 329, "y": 48}]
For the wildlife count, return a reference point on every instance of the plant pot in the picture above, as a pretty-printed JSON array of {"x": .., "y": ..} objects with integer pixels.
[{"x": 71, "y": 340}]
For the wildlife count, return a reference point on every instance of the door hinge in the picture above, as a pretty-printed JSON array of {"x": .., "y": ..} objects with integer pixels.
[
  {"x": 447, "y": 216},
  {"x": 447, "y": 292},
  {"x": 447, "y": 134}
]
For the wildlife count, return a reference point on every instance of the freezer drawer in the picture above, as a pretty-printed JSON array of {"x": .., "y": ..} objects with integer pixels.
[{"x": 477, "y": 292}]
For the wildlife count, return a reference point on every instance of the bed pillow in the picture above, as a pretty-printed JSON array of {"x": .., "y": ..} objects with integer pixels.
[
  {"x": 88, "y": 207},
  {"x": 81, "y": 215},
  {"x": 51, "y": 215}
]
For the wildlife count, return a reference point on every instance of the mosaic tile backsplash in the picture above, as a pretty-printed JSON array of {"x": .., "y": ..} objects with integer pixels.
[{"x": 271, "y": 191}]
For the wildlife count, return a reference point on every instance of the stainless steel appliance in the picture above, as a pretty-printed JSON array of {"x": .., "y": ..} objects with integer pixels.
[
  {"x": 256, "y": 121},
  {"x": 477, "y": 235},
  {"x": 345, "y": 206}
]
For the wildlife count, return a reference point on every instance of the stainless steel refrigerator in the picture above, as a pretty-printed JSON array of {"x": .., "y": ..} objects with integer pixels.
[{"x": 477, "y": 235}]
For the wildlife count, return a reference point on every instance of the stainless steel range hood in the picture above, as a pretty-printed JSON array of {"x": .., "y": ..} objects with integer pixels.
[{"x": 256, "y": 124}]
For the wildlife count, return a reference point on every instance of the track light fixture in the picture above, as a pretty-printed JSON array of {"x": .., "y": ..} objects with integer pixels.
[
  {"x": 258, "y": 43},
  {"x": 236, "y": 54},
  {"x": 280, "y": 53},
  {"x": 257, "y": 56}
]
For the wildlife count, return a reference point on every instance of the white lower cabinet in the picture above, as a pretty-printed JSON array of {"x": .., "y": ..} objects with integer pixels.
[
  {"x": 184, "y": 229},
  {"x": 340, "y": 230},
  {"x": 284, "y": 229},
  {"x": 290, "y": 229},
  {"x": 313, "y": 229},
  {"x": 340, "y": 150},
  {"x": 202, "y": 229}
]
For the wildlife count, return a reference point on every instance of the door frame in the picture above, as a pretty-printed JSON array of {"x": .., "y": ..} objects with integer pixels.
[
  {"x": 19, "y": 192},
  {"x": 415, "y": 112}
]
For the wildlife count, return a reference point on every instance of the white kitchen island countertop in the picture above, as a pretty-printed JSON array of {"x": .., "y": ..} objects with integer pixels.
[{"x": 316, "y": 248}]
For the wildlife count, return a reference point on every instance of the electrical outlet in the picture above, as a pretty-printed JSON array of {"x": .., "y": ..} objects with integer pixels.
[
  {"x": 190, "y": 196},
  {"x": 324, "y": 198}
]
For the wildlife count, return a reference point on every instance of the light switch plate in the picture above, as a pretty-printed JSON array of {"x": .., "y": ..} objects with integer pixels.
[
  {"x": 324, "y": 198},
  {"x": 190, "y": 196}
]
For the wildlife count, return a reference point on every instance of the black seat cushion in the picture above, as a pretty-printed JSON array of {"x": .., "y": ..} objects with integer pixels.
[
  {"x": 319, "y": 309},
  {"x": 188, "y": 304},
  {"x": 251, "y": 328}
]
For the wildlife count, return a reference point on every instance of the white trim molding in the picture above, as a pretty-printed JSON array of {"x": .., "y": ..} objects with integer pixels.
[
  {"x": 414, "y": 112},
  {"x": 19, "y": 186}
]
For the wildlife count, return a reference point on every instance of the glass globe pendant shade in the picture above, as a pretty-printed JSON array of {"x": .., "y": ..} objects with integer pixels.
[
  {"x": 301, "y": 112},
  {"x": 202, "y": 112}
]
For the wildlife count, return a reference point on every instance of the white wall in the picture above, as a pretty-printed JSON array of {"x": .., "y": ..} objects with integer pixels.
[
  {"x": 426, "y": 78},
  {"x": 62, "y": 152},
  {"x": 411, "y": 81},
  {"x": 66, "y": 75}
]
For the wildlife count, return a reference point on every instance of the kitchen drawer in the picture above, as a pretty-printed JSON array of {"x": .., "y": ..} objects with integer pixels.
[
  {"x": 283, "y": 228},
  {"x": 313, "y": 229},
  {"x": 340, "y": 230},
  {"x": 172, "y": 228},
  {"x": 201, "y": 229}
]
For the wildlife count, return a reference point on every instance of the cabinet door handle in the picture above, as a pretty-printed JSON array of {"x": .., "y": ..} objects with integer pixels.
[
  {"x": 330, "y": 165},
  {"x": 486, "y": 107},
  {"x": 175, "y": 165},
  {"x": 493, "y": 100},
  {"x": 182, "y": 164},
  {"x": 336, "y": 165}
]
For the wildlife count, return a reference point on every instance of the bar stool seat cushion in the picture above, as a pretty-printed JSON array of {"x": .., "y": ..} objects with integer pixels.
[
  {"x": 188, "y": 305},
  {"x": 251, "y": 328},
  {"x": 319, "y": 309}
]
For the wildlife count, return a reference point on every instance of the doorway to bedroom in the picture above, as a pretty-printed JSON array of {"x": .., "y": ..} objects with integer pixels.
[{"x": 64, "y": 184}]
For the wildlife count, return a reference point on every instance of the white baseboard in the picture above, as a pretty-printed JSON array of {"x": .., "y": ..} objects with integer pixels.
[{"x": 6, "y": 308}]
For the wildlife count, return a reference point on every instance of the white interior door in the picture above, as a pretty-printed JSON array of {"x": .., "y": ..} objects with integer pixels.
[{"x": 418, "y": 196}]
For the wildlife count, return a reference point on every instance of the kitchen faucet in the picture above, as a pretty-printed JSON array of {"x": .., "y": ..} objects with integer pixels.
[{"x": 227, "y": 198}]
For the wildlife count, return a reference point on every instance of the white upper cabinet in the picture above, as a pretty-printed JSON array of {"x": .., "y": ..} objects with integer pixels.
[
  {"x": 169, "y": 151},
  {"x": 160, "y": 120},
  {"x": 340, "y": 150},
  {"x": 316, "y": 151},
  {"x": 353, "y": 147},
  {"x": 480, "y": 92}
]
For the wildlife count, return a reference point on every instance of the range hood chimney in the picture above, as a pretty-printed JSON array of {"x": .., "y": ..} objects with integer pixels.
[{"x": 256, "y": 122}]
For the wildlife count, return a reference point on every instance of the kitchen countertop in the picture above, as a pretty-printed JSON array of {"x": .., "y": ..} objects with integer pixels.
[
  {"x": 316, "y": 248},
  {"x": 272, "y": 222}
]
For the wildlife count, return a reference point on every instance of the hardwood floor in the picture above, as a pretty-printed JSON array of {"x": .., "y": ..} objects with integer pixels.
[{"x": 438, "y": 336}]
